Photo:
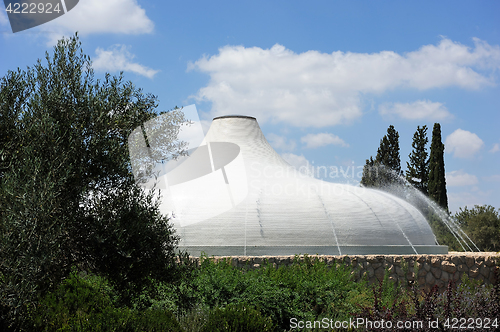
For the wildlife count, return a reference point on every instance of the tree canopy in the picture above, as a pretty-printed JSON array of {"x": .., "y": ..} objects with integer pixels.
[
  {"x": 67, "y": 194},
  {"x": 482, "y": 225}
]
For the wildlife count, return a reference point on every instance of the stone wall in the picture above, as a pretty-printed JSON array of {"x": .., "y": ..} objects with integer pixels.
[{"x": 430, "y": 269}]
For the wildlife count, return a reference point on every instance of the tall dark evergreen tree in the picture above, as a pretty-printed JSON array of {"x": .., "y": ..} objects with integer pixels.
[
  {"x": 417, "y": 172},
  {"x": 369, "y": 178},
  {"x": 380, "y": 172},
  {"x": 437, "y": 181},
  {"x": 388, "y": 152}
]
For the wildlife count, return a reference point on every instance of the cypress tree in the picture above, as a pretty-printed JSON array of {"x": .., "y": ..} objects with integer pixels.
[
  {"x": 437, "y": 181},
  {"x": 388, "y": 158},
  {"x": 388, "y": 152},
  {"x": 417, "y": 172},
  {"x": 369, "y": 178}
]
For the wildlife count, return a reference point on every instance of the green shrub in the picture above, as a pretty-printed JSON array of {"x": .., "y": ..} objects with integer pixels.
[
  {"x": 237, "y": 318},
  {"x": 195, "y": 319},
  {"x": 308, "y": 289},
  {"x": 73, "y": 302},
  {"x": 90, "y": 304},
  {"x": 154, "y": 320}
]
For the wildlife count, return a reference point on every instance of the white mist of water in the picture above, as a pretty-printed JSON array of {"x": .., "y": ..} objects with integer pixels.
[{"x": 398, "y": 186}]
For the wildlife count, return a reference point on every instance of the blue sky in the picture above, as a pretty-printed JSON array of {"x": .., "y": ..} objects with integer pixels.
[{"x": 324, "y": 78}]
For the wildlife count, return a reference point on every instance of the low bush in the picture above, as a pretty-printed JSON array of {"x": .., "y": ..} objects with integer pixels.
[
  {"x": 89, "y": 303},
  {"x": 220, "y": 297},
  {"x": 307, "y": 289},
  {"x": 237, "y": 318}
]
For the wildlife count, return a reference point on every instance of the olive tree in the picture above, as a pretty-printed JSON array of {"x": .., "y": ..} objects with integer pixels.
[
  {"x": 482, "y": 224},
  {"x": 68, "y": 198}
]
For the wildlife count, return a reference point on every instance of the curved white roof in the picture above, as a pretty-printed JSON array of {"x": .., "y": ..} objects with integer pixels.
[{"x": 236, "y": 196}]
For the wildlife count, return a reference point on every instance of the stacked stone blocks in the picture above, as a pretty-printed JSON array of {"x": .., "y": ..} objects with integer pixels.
[{"x": 427, "y": 270}]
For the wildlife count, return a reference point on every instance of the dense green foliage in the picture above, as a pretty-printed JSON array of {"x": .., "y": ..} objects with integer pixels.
[
  {"x": 226, "y": 298},
  {"x": 67, "y": 194},
  {"x": 417, "y": 169},
  {"x": 303, "y": 289},
  {"x": 218, "y": 297},
  {"x": 89, "y": 303},
  {"x": 236, "y": 318},
  {"x": 437, "y": 180},
  {"x": 482, "y": 225}
]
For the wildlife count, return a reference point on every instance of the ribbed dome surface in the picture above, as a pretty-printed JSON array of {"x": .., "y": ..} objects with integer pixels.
[{"x": 249, "y": 201}]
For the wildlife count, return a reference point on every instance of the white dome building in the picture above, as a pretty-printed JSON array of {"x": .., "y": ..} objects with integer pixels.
[{"x": 234, "y": 195}]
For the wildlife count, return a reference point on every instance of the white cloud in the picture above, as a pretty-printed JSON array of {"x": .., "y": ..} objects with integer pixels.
[
  {"x": 96, "y": 16},
  {"x": 4, "y": 20},
  {"x": 280, "y": 142},
  {"x": 111, "y": 16},
  {"x": 347, "y": 173},
  {"x": 313, "y": 141},
  {"x": 299, "y": 162},
  {"x": 418, "y": 110},
  {"x": 463, "y": 144},
  {"x": 118, "y": 58},
  {"x": 460, "y": 178},
  {"x": 495, "y": 148},
  {"x": 319, "y": 89}
]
